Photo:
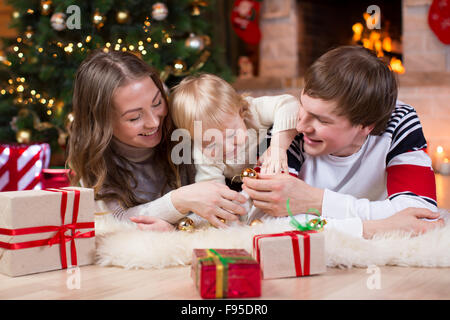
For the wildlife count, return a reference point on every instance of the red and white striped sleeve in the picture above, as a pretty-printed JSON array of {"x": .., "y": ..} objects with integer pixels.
[{"x": 410, "y": 176}]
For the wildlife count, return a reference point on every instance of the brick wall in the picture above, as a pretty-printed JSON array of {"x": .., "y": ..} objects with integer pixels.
[
  {"x": 278, "y": 47},
  {"x": 427, "y": 60},
  {"x": 422, "y": 50}
]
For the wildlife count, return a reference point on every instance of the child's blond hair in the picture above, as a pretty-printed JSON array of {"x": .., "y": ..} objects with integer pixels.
[{"x": 205, "y": 97}]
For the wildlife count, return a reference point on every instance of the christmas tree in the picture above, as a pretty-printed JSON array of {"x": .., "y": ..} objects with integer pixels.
[{"x": 37, "y": 68}]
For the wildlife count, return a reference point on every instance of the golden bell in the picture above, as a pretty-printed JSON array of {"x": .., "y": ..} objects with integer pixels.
[
  {"x": 186, "y": 224},
  {"x": 255, "y": 222}
]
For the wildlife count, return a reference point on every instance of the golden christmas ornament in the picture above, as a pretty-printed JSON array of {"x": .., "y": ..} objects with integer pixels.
[
  {"x": 247, "y": 173},
  {"x": 196, "y": 4},
  {"x": 186, "y": 224},
  {"x": 255, "y": 222},
  {"x": 23, "y": 136}
]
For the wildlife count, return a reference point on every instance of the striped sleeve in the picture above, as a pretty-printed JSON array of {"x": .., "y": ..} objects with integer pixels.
[{"x": 409, "y": 170}]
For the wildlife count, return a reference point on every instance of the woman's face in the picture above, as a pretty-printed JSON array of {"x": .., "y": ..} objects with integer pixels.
[{"x": 139, "y": 113}]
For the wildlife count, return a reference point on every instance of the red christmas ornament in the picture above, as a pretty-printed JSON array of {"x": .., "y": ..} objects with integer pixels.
[
  {"x": 245, "y": 20},
  {"x": 439, "y": 19}
]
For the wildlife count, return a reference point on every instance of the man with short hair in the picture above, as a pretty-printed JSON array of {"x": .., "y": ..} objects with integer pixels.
[{"x": 360, "y": 154}]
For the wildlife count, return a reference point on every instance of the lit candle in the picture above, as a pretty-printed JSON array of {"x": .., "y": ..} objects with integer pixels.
[
  {"x": 445, "y": 167},
  {"x": 438, "y": 158}
]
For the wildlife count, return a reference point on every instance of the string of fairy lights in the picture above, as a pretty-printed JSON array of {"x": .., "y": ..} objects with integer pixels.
[{"x": 25, "y": 94}]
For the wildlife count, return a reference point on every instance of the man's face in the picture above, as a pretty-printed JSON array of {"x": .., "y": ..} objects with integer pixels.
[{"x": 324, "y": 132}]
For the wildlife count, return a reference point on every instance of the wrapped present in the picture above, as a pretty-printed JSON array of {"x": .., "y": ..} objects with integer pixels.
[
  {"x": 55, "y": 178},
  {"x": 21, "y": 166},
  {"x": 290, "y": 254},
  {"x": 43, "y": 230},
  {"x": 226, "y": 273}
]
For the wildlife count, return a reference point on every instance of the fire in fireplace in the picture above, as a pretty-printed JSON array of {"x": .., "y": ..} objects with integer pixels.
[{"x": 326, "y": 24}]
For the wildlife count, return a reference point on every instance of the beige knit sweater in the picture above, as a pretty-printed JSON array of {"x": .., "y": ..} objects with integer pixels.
[{"x": 149, "y": 181}]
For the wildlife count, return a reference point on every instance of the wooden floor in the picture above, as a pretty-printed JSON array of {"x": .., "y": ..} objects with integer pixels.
[{"x": 97, "y": 282}]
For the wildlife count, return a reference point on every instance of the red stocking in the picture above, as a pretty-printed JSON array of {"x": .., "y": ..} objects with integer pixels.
[
  {"x": 439, "y": 19},
  {"x": 245, "y": 20}
]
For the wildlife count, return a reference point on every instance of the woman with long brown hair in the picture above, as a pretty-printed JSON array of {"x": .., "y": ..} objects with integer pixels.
[{"x": 120, "y": 145}]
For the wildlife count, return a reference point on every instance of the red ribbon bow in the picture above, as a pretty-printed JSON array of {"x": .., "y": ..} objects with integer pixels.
[
  {"x": 295, "y": 246},
  {"x": 60, "y": 235}
]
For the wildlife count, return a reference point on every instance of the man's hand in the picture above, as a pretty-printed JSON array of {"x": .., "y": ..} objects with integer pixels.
[
  {"x": 409, "y": 220},
  {"x": 270, "y": 193}
]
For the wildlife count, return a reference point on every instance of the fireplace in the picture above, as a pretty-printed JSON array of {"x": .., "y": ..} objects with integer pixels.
[
  {"x": 295, "y": 33},
  {"x": 326, "y": 24}
]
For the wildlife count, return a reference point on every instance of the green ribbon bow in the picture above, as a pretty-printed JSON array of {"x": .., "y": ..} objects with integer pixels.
[{"x": 313, "y": 224}]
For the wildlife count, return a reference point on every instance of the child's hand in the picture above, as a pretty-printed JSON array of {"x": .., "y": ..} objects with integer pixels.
[
  {"x": 148, "y": 223},
  {"x": 274, "y": 161}
]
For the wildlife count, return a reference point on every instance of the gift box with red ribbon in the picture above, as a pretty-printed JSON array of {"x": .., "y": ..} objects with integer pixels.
[
  {"x": 21, "y": 166},
  {"x": 225, "y": 273},
  {"x": 290, "y": 254},
  {"x": 43, "y": 230}
]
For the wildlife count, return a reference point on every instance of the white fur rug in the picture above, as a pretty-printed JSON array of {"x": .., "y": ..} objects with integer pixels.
[{"x": 122, "y": 244}]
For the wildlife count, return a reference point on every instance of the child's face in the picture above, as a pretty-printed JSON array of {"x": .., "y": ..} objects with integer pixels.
[
  {"x": 325, "y": 132},
  {"x": 224, "y": 144},
  {"x": 139, "y": 113}
]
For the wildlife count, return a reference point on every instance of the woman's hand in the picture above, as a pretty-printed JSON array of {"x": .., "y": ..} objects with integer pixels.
[
  {"x": 270, "y": 193},
  {"x": 210, "y": 200},
  {"x": 148, "y": 223},
  {"x": 409, "y": 220}
]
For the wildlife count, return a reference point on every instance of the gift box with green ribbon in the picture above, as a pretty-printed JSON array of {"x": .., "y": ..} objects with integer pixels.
[
  {"x": 294, "y": 253},
  {"x": 226, "y": 273}
]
